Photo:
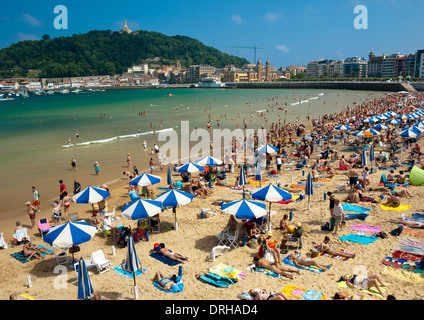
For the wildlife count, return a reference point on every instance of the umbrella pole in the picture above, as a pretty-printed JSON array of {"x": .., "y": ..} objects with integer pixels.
[
  {"x": 135, "y": 287},
  {"x": 175, "y": 215},
  {"x": 269, "y": 217}
]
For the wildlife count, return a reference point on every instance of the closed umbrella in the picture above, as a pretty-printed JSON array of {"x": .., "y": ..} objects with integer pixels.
[
  {"x": 145, "y": 180},
  {"x": 372, "y": 153},
  {"x": 132, "y": 263},
  {"x": 245, "y": 209},
  {"x": 364, "y": 157},
  {"x": 174, "y": 198},
  {"x": 85, "y": 288},
  {"x": 91, "y": 195},
  {"x": 209, "y": 161},
  {"x": 169, "y": 179},
  {"x": 309, "y": 190},
  {"x": 142, "y": 209},
  {"x": 271, "y": 194}
]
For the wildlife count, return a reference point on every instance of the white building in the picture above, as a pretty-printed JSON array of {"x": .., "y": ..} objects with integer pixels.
[{"x": 34, "y": 85}]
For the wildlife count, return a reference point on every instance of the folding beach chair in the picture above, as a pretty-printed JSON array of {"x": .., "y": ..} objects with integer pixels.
[
  {"x": 296, "y": 241},
  {"x": 222, "y": 237},
  {"x": 99, "y": 260},
  {"x": 232, "y": 239},
  {"x": 217, "y": 251},
  {"x": 134, "y": 196},
  {"x": 73, "y": 216}
]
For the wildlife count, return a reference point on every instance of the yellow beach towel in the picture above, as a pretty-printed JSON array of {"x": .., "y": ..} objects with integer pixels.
[
  {"x": 297, "y": 292},
  {"x": 403, "y": 275},
  {"x": 227, "y": 271},
  {"x": 372, "y": 291},
  {"x": 401, "y": 207}
]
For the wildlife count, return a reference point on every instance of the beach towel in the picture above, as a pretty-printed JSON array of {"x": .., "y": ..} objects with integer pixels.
[
  {"x": 403, "y": 275},
  {"x": 411, "y": 246},
  {"x": 216, "y": 280},
  {"x": 325, "y": 254},
  {"x": 365, "y": 228},
  {"x": 302, "y": 293},
  {"x": 180, "y": 285},
  {"x": 414, "y": 231},
  {"x": 412, "y": 267},
  {"x": 401, "y": 207},
  {"x": 227, "y": 271},
  {"x": 406, "y": 255},
  {"x": 393, "y": 262},
  {"x": 311, "y": 268},
  {"x": 164, "y": 259},
  {"x": 294, "y": 198},
  {"x": 371, "y": 291},
  {"x": 129, "y": 275},
  {"x": 358, "y": 239},
  {"x": 352, "y": 216},
  {"x": 355, "y": 208},
  {"x": 367, "y": 199},
  {"x": 21, "y": 257},
  {"x": 266, "y": 272},
  {"x": 315, "y": 185}
]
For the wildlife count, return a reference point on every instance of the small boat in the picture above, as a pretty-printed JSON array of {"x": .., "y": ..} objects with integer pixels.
[
  {"x": 280, "y": 108},
  {"x": 169, "y": 95}
]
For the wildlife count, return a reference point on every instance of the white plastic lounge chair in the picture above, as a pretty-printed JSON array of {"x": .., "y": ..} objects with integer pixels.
[
  {"x": 217, "y": 251},
  {"x": 88, "y": 263},
  {"x": 99, "y": 260},
  {"x": 3, "y": 244}
]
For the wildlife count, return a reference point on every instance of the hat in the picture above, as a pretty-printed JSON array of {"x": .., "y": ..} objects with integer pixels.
[
  {"x": 299, "y": 224},
  {"x": 27, "y": 203}
]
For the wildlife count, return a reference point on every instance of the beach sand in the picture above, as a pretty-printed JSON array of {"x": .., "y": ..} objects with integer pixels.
[{"x": 196, "y": 237}]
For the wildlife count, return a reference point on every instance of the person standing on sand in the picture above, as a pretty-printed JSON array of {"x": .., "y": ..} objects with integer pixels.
[
  {"x": 66, "y": 201},
  {"x": 144, "y": 145},
  {"x": 35, "y": 198},
  {"x": 128, "y": 160},
  {"x": 97, "y": 168},
  {"x": 74, "y": 163},
  {"x": 62, "y": 190},
  {"x": 151, "y": 164},
  {"x": 77, "y": 186},
  {"x": 31, "y": 212}
]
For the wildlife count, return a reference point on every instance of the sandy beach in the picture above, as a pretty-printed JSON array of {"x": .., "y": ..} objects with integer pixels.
[{"x": 196, "y": 237}]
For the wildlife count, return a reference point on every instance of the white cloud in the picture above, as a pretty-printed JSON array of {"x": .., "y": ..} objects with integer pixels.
[
  {"x": 272, "y": 17},
  {"x": 283, "y": 48},
  {"x": 236, "y": 18},
  {"x": 26, "y": 36},
  {"x": 34, "y": 22}
]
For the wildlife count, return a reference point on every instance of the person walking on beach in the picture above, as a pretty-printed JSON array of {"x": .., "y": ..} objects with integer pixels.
[
  {"x": 338, "y": 216},
  {"x": 128, "y": 160},
  {"x": 62, "y": 190},
  {"x": 56, "y": 213},
  {"x": 74, "y": 163},
  {"x": 66, "y": 201},
  {"x": 97, "y": 168},
  {"x": 77, "y": 186},
  {"x": 32, "y": 210},
  {"x": 35, "y": 198},
  {"x": 144, "y": 145}
]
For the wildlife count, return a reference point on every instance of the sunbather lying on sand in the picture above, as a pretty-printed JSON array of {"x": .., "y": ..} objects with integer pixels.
[
  {"x": 302, "y": 262},
  {"x": 408, "y": 223},
  {"x": 274, "y": 267},
  {"x": 262, "y": 294},
  {"x": 325, "y": 247},
  {"x": 171, "y": 255}
]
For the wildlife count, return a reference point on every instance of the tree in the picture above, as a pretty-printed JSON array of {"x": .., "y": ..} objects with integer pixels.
[{"x": 45, "y": 37}]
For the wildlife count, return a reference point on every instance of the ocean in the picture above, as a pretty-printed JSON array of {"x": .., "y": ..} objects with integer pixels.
[{"x": 34, "y": 131}]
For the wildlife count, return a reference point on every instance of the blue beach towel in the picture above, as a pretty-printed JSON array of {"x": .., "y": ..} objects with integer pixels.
[
  {"x": 179, "y": 284},
  {"x": 355, "y": 208},
  {"x": 352, "y": 216},
  {"x": 311, "y": 268},
  {"x": 358, "y": 239},
  {"x": 126, "y": 274},
  {"x": 164, "y": 259},
  {"x": 21, "y": 257},
  {"x": 311, "y": 295},
  {"x": 216, "y": 280},
  {"x": 268, "y": 272}
]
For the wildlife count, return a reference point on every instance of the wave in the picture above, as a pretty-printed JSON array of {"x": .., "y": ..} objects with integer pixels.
[
  {"x": 313, "y": 98},
  {"x": 134, "y": 135},
  {"x": 259, "y": 111},
  {"x": 304, "y": 101},
  {"x": 295, "y": 104}
]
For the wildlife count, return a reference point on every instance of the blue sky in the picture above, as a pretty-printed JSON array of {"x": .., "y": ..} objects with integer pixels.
[{"x": 292, "y": 32}]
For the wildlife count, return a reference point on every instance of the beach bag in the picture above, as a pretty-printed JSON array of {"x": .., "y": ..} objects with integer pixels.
[
  {"x": 397, "y": 231},
  {"x": 325, "y": 227},
  {"x": 273, "y": 171},
  {"x": 381, "y": 234},
  {"x": 253, "y": 243}
]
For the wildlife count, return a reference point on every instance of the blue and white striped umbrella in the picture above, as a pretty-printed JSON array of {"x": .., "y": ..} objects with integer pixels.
[
  {"x": 356, "y": 133},
  {"x": 343, "y": 127},
  {"x": 370, "y": 130},
  {"x": 145, "y": 180},
  {"x": 409, "y": 133},
  {"x": 258, "y": 175},
  {"x": 417, "y": 129},
  {"x": 85, "y": 288},
  {"x": 394, "y": 121},
  {"x": 372, "y": 153},
  {"x": 420, "y": 124},
  {"x": 142, "y": 209},
  {"x": 245, "y": 209},
  {"x": 403, "y": 117},
  {"x": 209, "y": 161},
  {"x": 267, "y": 149},
  {"x": 169, "y": 178},
  {"x": 174, "y": 198},
  {"x": 381, "y": 127},
  {"x": 68, "y": 234},
  {"x": 364, "y": 157},
  {"x": 132, "y": 263},
  {"x": 242, "y": 177},
  {"x": 383, "y": 116},
  {"x": 91, "y": 195},
  {"x": 392, "y": 113},
  {"x": 412, "y": 116},
  {"x": 190, "y": 167},
  {"x": 271, "y": 194}
]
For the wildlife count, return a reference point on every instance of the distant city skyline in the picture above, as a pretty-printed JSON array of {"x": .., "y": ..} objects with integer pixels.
[{"x": 290, "y": 32}]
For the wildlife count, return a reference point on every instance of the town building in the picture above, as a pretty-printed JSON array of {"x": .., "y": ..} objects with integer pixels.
[{"x": 355, "y": 67}]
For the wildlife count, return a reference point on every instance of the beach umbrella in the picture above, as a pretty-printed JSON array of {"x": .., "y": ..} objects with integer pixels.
[
  {"x": 364, "y": 157},
  {"x": 271, "y": 194},
  {"x": 142, "y": 209},
  {"x": 417, "y": 129},
  {"x": 372, "y": 153},
  {"x": 383, "y": 116},
  {"x": 132, "y": 263},
  {"x": 91, "y": 195},
  {"x": 209, "y": 161},
  {"x": 402, "y": 117},
  {"x": 69, "y": 234},
  {"x": 245, "y": 209},
  {"x": 145, "y": 180},
  {"x": 309, "y": 189},
  {"x": 258, "y": 176},
  {"x": 381, "y": 127},
  {"x": 394, "y": 121},
  {"x": 267, "y": 149},
  {"x": 169, "y": 179},
  {"x": 242, "y": 179},
  {"x": 174, "y": 198},
  {"x": 392, "y": 113},
  {"x": 343, "y": 127},
  {"x": 409, "y": 133},
  {"x": 412, "y": 116},
  {"x": 85, "y": 288},
  {"x": 369, "y": 132},
  {"x": 190, "y": 167}
]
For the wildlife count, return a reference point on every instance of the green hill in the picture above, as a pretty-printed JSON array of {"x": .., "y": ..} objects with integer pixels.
[{"x": 105, "y": 52}]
